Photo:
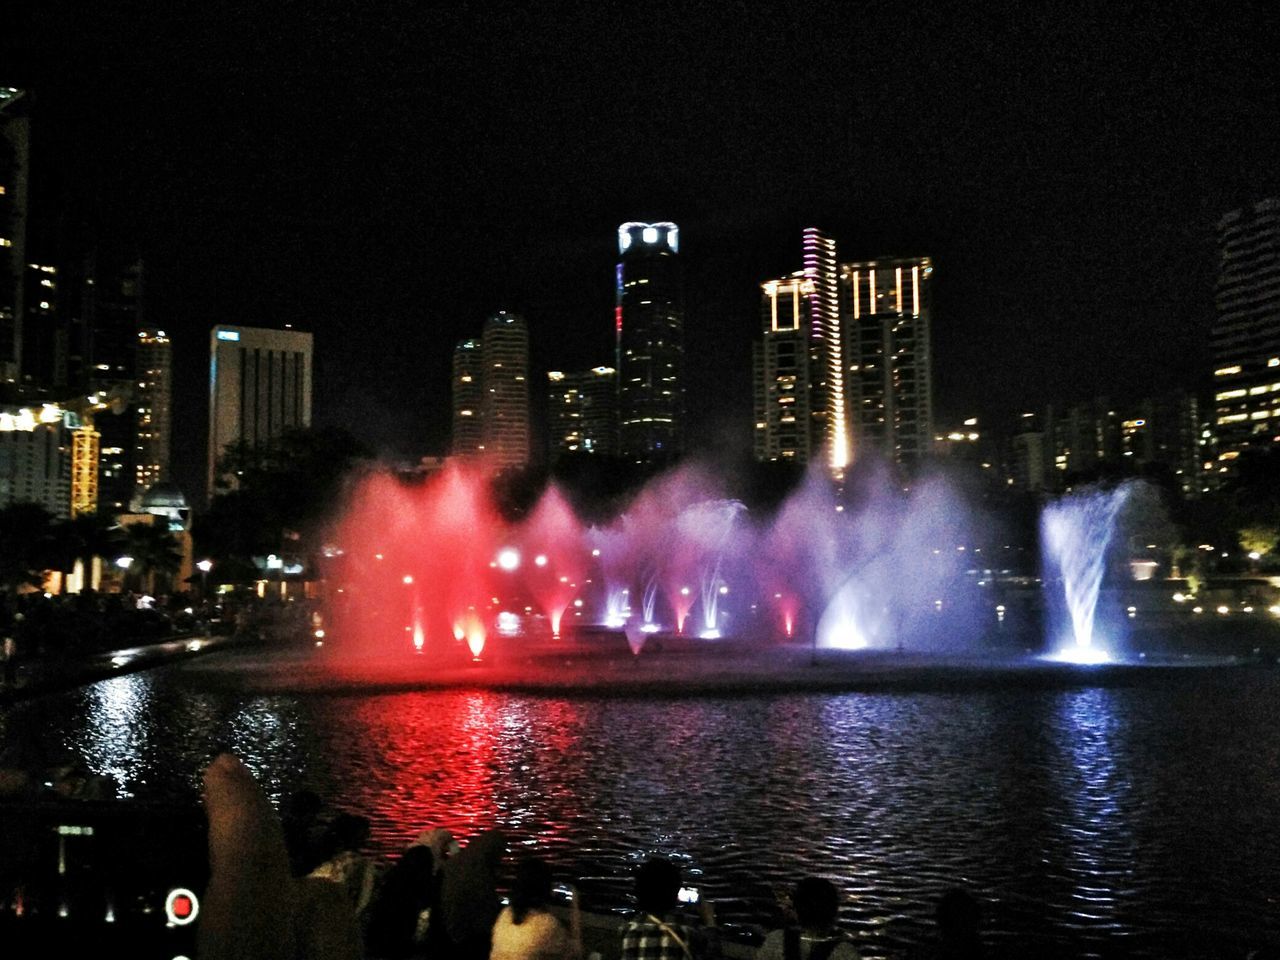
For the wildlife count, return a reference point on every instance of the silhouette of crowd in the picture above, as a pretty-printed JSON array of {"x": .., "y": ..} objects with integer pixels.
[{"x": 437, "y": 899}]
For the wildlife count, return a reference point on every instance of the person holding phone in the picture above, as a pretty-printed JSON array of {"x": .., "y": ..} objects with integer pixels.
[
  {"x": 816, "y": 903},
  {"x": 527, "y": 929},
  {"x": 655, "y": 934}
]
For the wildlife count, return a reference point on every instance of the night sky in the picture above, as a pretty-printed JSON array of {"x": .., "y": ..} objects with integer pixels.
[{"x": 384, "y": 175}]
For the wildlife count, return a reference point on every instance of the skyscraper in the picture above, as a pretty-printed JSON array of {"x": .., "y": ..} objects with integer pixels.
[
  {"x": 468, "y": 392},
  {"x": 259, "y": 387},
  {"x": 801, "y": 401},
  {"x": 886, "y": 312},
  {"x": 1246, "y": 333},
  {"x": 649, "y": 328},
  {"x": 15, "y": 155},
  {"x": 153, "y": 409},
  {"x": 829, "y": 401},
  {"x": 583, "y": 411},
  {"x": 504, "y": 346},
  {"x": 113, "y": 309},
  {"x": 783, "y": 372},
  {"x": 45, "y": 344}
]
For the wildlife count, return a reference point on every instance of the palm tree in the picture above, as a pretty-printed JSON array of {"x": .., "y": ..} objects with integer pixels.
[
  {"x": 154, "y": 551},
  {"x": 25, "y": 545},
  {"x": 83, "y": 538}
]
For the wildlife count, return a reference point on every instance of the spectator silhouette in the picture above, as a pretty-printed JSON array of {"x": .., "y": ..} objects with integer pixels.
[
  {"x": 655, "y": 934},
  {"x": 815, "y": 937},
  {"x": 527, "y": 929}
]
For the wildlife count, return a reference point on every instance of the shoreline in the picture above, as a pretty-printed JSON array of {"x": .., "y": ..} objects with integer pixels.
[{"x": 683, "y": 674}]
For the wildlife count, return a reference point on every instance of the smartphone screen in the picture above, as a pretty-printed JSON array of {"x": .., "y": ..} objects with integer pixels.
[{"x": 78, "y": 875}]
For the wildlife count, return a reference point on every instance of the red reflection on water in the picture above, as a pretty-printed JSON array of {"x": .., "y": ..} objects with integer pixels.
[{"x": 446, "y": 760}]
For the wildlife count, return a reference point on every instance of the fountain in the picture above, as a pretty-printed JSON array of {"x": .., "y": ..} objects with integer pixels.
[
  {"x": 434, "y": 568},
  {"x": 1075, "y": 535}
]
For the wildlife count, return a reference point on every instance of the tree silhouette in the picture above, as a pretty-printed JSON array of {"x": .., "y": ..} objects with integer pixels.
[
  {"x": 83, "y": 538},
  {"x": 26, "y": 545},
  {"x": 154, "y": 551}
]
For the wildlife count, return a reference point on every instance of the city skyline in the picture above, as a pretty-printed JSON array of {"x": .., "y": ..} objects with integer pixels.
[{"x": 1075, "y": 255}]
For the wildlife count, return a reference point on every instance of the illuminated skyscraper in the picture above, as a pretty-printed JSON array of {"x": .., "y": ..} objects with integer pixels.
[
  {"x": 582, "y": 410},
  {"x": 649, "y": 325},
  {"x": 504, "y": 347},
  {"x": 829, "y": 400},
  {"x": 783, "y": 372},
  {"x": 113, "y": 310},
  {"x": 259, "y": 387},
  {"x": 468, "y": 391},
  {"x": 1246, "y": 333},
  {"x": 800, "y": 397},
  {"x": 886, "y": 313},
  {"x": 45, "y": 335},
  {"x": 15, "y": 153},
  {"x": 153, "y": 409}
]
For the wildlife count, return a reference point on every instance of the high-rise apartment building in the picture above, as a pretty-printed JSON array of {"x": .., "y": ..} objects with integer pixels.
[
  {"x": 504, "y": 406},
  {"x": 35, "y": 458},
  {"x": 113, "y": 311},
  {"x": 801, "y": 399},
  {"x": 829, "y": 403},
  {"x": 1246, "y": 333},
  {"x": 582, "y": 410},
  {"x": 259, "y": 387},
  {"x": 15, "y": 156},
  {"x": 45, "y": 335},
  {"x": 152, "y": 409},
  {"x": 468, "y": 391},
  {"x": 886, "y": 307},
  {"x": 783, "y": 372},
  {"x": 649, "y": 328}
]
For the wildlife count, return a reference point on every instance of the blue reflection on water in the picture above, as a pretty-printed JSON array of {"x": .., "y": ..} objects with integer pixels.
[{"x": 1096, "y": 830}]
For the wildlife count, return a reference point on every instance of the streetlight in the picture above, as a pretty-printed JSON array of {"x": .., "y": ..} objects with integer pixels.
[
  {"x": 124, "y": 563},
  {"x": 204, "y": 566}
]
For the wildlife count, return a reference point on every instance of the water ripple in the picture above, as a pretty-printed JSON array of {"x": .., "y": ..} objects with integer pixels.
[{"x": 1080, "y": 816}]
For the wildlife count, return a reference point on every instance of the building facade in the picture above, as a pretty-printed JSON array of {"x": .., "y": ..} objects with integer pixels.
[
  {"x": 649, "y": 330},
  {"x": 259, "y": 387},
  {"x": 1245, "y": 340},
  {"x": 15, "y": 157},
  {"x": 504, "y": 347},
  {"x": 801, "y": 402},
  {"x": 152, "y": 409},
  {"x": 785, "y": 428},
  {"x": 35, "y": 458},
  {"x": 468, "y": 391},
  {"x": 582, "y": 412},
  {"x": 886, "y": 308}
]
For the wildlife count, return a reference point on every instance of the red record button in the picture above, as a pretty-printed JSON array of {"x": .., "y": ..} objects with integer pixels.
[{"x": 181, "y": 907}]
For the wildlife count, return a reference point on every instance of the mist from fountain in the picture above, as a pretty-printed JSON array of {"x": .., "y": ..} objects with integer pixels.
[{"x": 877, "y": 566}]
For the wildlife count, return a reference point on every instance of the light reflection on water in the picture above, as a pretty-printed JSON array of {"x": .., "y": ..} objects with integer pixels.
[
  {"x": 1079, "y": 814},
  {"x": 115, "y": 739}
]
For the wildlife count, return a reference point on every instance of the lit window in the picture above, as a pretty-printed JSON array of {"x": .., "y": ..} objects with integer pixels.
[{"x": 1226, "y": 371}]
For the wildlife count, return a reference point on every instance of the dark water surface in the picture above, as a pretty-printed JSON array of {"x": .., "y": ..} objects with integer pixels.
[{"x": 1141, "y": 819}]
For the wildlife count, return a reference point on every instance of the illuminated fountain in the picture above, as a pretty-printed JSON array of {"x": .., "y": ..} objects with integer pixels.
[
  {"x": 553, "y": 538},
  {"x": 1076, "y": 533},
  {"x": 434, "y": 568}
]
